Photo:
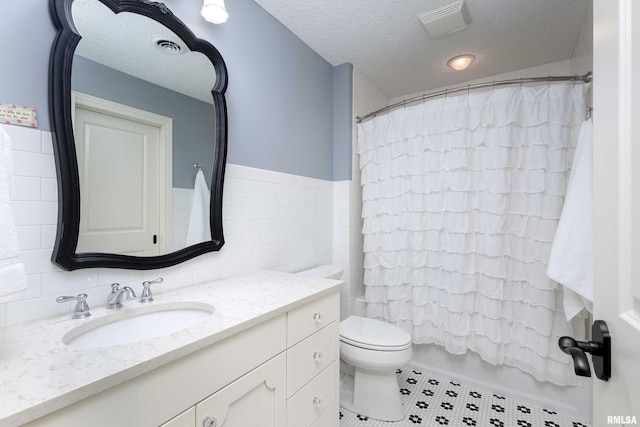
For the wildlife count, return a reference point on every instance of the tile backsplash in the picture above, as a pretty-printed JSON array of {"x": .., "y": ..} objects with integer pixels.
[{"x": 272, "y": 220}]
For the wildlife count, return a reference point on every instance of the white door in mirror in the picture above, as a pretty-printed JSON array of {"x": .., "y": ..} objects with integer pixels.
[{"x": 118, "y": 164}]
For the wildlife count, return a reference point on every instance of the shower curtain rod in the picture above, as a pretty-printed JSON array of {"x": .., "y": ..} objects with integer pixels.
[{"x": 587, "y": 78}]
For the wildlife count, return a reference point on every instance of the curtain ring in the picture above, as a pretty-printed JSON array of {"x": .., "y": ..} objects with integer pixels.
[
  {"x": 521, "y": 82},
  {"x": 446, "y": 93}
]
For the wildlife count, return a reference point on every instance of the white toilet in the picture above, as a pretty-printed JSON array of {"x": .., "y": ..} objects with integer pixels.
[{"x": 375, "y": 349}]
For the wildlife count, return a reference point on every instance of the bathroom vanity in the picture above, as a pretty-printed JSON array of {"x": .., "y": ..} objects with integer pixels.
[{"x": 267, "y": 356}]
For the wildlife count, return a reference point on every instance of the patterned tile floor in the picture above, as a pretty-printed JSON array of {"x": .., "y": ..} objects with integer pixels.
[{"x": 431, "y": 401}]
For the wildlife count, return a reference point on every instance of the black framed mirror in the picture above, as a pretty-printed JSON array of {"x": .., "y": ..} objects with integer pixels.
[{"x": 122, "y": 169}]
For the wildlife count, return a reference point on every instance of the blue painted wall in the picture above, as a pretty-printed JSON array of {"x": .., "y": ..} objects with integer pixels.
[
  {"x": 342, "y": 121},
  {"x": 193, "y": 120},
  {"x": 24, "y": 57},
  {"x": 280, "y": 96}
]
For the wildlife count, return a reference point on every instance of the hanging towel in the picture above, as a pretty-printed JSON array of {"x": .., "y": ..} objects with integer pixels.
[
  {"x": 199, "y": 229},
  {"x": 13, "y": 280},
  {"x": 571, "y": 258}
]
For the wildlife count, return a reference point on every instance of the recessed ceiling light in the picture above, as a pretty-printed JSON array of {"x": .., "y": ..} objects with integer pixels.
[{"x": 461, "y": 62}]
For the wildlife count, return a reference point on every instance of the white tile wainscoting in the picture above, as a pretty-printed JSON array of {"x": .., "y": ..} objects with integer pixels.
[{"x": 272, "y": 220}]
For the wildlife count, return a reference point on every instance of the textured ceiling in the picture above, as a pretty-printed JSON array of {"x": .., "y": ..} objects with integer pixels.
[
  {"x": 386, "y": 42},
  {"x": 125, "y": 42}
]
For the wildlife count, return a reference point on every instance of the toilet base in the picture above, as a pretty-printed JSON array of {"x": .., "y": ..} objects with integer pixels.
[{"x": 377, "y": 395}]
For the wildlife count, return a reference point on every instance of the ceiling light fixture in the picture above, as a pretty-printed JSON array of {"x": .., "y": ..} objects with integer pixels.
[
  {"x": 214, "y": 11},
  {"x": 461, "y": 62}
]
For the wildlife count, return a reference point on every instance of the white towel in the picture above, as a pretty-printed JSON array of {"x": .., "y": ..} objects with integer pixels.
[
  {"x": 571, "y": 258},
  {"x": 13, "y": 280},
  {"x": 199, "y": 229}
]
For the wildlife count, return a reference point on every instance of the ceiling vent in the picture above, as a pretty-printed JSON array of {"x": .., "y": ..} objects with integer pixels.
[
  {"x": 167, "y": 46},
  {"x": 446, "y": 19}
]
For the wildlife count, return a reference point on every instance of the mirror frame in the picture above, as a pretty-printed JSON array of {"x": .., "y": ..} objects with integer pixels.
[{"x": 60, "y": 64}]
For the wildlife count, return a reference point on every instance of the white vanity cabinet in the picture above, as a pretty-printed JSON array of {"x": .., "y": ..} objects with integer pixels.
[
  {"x": 281, "y": 372},
  {"x": 297, "y": 388}
]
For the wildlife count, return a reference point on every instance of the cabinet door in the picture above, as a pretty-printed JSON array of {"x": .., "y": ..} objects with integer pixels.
[
  {"x": 255, "y": 399},
  {"x": 185, "y": 419}
]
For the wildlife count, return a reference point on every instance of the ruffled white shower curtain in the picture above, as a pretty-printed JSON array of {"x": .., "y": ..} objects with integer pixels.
[{"x": 461, "y": 199}]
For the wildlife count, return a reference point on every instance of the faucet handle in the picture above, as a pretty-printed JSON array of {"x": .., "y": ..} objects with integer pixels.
[
  {"x": 81, "y": 309},
  {"x": 146, "y": 296}
]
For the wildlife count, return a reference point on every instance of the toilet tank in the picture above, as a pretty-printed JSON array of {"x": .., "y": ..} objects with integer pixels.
[{"x": 323, "y": 271}]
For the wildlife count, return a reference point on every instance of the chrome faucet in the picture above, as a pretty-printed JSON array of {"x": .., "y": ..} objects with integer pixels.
[
  {"x": 82, "y": 309},
  {"x": 146, "y": 296},
  {"x": 114, "y": 299}
]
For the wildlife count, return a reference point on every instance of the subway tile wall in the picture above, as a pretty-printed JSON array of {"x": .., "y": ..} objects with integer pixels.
[
  {"x": 366, "y": 98},
  {"x": 348, "y": 240},
  {"x": 182, "y": 200},
  {"x": 271, "y": 221}
]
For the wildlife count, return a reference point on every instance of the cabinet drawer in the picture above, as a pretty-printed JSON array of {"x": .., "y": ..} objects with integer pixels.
[
  {"x": 329, "y": 418},
  {"x": 310, "y": 318},
  {"x": 310, "y": 356},
  {"x": 308, "y": 404}
]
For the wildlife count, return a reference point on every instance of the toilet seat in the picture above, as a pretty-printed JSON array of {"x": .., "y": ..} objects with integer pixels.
[{"x": 373, "y": 334}]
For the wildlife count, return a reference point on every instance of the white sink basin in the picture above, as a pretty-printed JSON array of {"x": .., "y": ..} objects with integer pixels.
[{"x": 135, "y": 325}]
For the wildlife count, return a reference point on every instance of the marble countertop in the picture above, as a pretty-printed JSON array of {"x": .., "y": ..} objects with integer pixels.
[{"x": 39, "y": 374}]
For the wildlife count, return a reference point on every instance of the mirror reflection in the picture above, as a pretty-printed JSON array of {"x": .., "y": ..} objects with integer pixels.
[{"x": 143, "y": 117}]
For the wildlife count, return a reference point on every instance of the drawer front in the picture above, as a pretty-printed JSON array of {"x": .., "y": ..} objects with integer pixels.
[
  {"x": 310, "y": 356},
  {"x": 329, "y": 418},
  {"x": 310, "y": 318},
  {"x": 308, "y": 404}
]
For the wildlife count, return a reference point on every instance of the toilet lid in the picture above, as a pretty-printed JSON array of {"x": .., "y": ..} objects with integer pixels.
[
  {"x": 323, "y": 271},
  {"x": 373, "y": 334}
]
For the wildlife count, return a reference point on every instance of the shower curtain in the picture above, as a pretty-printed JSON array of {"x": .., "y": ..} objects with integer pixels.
[{"x": 461, "y": 199}]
